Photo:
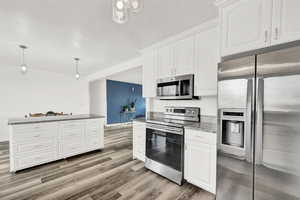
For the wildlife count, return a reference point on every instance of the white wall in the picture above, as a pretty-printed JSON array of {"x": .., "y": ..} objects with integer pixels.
[
  {"x": 134, "y": 75},
  {"x": 98, "y": 97},
  {"x": 39, "y": 91},
  {"x": 208, "y": 105},
  {"x": 129, "y": 64},
  {"x": 97, "y": 88}
]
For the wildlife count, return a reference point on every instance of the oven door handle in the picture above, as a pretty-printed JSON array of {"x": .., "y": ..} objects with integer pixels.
[{"x": 173, "y": 131}]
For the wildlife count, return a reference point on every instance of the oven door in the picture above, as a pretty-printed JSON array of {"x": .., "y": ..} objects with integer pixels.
[{"x": 164, "y": 144}]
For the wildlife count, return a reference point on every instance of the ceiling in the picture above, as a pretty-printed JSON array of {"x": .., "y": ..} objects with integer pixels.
[{"x": 56, "y": 31}]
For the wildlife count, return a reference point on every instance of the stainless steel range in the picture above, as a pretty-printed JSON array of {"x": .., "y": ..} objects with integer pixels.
[{"x": 165, "y": 141}]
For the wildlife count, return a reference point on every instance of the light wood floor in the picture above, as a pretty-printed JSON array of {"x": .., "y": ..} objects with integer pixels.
[{"x": 110, "y": 174}]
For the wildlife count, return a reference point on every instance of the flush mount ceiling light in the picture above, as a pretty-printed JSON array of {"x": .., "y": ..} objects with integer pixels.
[
  {"x": 121, "y": 9},
  {"x": 23, "y": 66},
  {"x": 77, "y": 75}
]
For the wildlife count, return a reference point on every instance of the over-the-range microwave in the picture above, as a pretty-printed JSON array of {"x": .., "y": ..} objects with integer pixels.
[{"x": 176, "y": 88}]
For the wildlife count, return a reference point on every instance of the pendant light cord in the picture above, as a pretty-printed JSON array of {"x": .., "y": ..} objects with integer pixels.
[
  {"x": 23, "y": 54},
  {"x": 23, "y": 47},
  {"x": 77, "y": 60}
]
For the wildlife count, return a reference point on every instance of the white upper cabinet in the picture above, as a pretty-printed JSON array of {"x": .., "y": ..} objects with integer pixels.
[
  {"x": 194, "y": 52},
  {"x": 245, "y": 25},
  {"x": 253, "y": 24},
  {"x": 184, "y": 53},
  {"x": 286, "y": 23},
  {"x": 206, "y": 59},
  {"x": 176, "y": 58},
  {"x": 149, "y": 74},
  {"x": 165, "y": 64}
]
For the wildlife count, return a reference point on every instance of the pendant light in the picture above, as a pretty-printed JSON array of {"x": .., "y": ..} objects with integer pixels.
[
  {"x": 23, "y": 66},
  {"x": 121, "y": 9},
  {"x": 77, "y": 75}
]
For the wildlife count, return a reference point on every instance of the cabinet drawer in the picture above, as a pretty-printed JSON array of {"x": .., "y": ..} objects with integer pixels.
[
  {"x": 72, "y": 135},
  {"x": 39, "y": 158},
  {"x": 34, "y": 134},
  {"x": 92, "y": 132},
  {"x": 28, "y": 148},
  {"x": 72, "y": 124},
  {"x": 200, "y": 136},
  {"x": 34, "y": 127}
]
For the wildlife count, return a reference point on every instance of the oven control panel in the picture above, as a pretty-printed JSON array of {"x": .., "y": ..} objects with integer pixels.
[{"x": 183, "y": 111}]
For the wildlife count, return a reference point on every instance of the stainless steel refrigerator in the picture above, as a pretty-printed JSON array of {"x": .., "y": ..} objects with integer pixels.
[{"x": 259, "y": 126}]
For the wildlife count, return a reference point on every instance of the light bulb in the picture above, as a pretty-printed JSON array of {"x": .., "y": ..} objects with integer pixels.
[
  {"x": 120, "y": 5},
  {"x": 23, "y": 68},
  {"x": 77, "y": 76},
  {"x": 136, "y": 5}
]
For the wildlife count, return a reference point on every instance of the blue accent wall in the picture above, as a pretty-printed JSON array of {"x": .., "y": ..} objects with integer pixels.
[{"x": 120, "y": 94}]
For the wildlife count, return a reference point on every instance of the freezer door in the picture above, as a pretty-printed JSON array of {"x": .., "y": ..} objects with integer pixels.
[
  {"x": 236, "y": 89},
  {"x": 277, "y": 149}
]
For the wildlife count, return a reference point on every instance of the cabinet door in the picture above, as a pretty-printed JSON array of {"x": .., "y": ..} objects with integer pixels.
[
  {"x": 246, "y": 25},
  {"x": 139, "y": 140},
  {"x": 200, "y": 167},
  {"x": 165, "y": 61},
  {"x": 149, "y": 74},
  {"x": 94, "y": 134},
  {"x": 72, "y": 138},
  {"x": 286, "y": 23},
  {"x": 184, "y": 52},
  {"x": 206, "y": 59}
]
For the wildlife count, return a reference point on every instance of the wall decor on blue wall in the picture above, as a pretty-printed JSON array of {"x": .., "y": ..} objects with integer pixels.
[{"x": 124, "y": 101}]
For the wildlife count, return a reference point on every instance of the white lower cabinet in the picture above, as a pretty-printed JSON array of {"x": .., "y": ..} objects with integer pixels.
[
  {"x": 200, "y": 159},
  {"x": 35, "y": 144},
  {"x": 139, "y": 140}
]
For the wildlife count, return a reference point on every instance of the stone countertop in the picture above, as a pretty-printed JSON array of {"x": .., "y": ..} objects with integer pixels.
[
  {"x": 203, "y": 126},
  {"x": 140, "y": 119},
  {"x": 207, "y": 126},
  {"x": 31, "y": 120}
]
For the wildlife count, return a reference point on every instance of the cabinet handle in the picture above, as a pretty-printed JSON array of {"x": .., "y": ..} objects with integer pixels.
[
  {"x": 276, "y": 33},
  {"x": 266, "y": 36},
  {"x": 36, "y": 136}
]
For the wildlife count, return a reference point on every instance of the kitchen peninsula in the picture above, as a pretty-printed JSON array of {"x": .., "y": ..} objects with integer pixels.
[{"x": 39, "y": 140}]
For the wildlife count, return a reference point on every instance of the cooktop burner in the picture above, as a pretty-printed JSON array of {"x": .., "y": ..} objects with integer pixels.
[{"x": 176, "y": 116}]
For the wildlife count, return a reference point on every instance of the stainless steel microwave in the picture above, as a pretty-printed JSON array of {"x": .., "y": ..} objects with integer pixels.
[{"x": 177, "y": 87}]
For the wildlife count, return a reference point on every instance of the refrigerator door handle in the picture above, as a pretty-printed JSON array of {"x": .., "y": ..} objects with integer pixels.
[
  {"x": 259, "y": 121},
  {"x": 249, "y": 120}
]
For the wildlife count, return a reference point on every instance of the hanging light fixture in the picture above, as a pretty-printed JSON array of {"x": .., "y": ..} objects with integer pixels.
[
  {"x": 23, "y": 66},
  {"x": 77, "y": 75},
  {"x": 121, "y": 8},
  {"x": 136, "y": 5}
]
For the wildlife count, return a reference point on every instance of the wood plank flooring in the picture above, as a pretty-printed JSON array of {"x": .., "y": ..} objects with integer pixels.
[{"x": 110, "y": 174}]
